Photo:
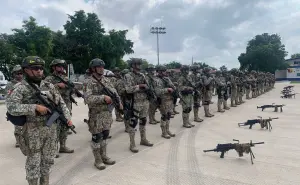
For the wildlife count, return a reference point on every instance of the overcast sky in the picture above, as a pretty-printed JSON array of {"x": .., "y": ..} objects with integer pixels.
[{"x": 211, "y": 31}]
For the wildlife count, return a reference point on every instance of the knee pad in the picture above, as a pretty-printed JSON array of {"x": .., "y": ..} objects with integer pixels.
[
  {"x": 187, "y": 110},
  {"x": 206, "y": 102},
  {"x": 105, "y": 134},
  {"x": 169, "y": 115},
  {"x": 96, "y": 138},
  {"x": 164, "y": 117},
  {"x": 196, "y": 105},
  {"x": 143, "y": 121}
]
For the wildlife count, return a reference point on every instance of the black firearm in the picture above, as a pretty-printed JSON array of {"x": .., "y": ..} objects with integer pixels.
[
  {"x": 72, "y": 87},
  {"x": 264, "y": 123},
  {"x": 289, "y": 95},
  {"x": 114, "y": 96},
  {"x": 239, "y": 147},
  {"x": 150, "y": 91},
  {"x": 176, "y": 94},
  {"x": 288, "y": 87},
  {"x": 271, "y": 106},
  {"x": 56, "y": 111}
]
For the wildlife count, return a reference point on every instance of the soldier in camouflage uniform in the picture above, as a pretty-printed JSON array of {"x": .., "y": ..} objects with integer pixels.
[
  {"x": 57, "y": 68},
  {"x": 100, "y": 112},
  {"x": 207, "y": 90},
  {"x": 234, "y": 90},
  {"x": 136, "y": 85},
  {"x": 241, "y": 82},
  {"x": 186, "y": 89},
  {"x": 174, "y": 78},
  {"x": 152, "y": 104},
  {"x": 254, "y": 84},
  {"x": 38, "y": 141},
  {"x": 17, "y": 76},
  {"x": 164, "y": 91},
  {"x": 115, "y": 80},
  {"x": 221, "y": 88},
  {"x": 248, "y": 81},
  {"x": 196, "y": 79}
]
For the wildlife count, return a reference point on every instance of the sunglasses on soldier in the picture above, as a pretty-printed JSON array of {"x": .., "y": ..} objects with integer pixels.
[{"x": 36, "y": 68}]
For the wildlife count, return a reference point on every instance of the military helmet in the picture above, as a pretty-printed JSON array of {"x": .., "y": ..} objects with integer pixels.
[
  {"x": 116, "y": 69},
  {"x": 16, "y": 68},
  {"x": 218, "y": 73},
  {"x": 206, "y": 70},
  {"x": 185, "y": 68},
  {"x": 150, "y": 67},
  {"x": 58, "y": 62},
  {"x": 161, "y": 68},
  {"x": 124, "y": 71},
  {"x": 31, "y": 61},
  {"x": 135, "y": 61},
  {"x": 97, "y": 62},
  {"x": 195, "y": 67}
]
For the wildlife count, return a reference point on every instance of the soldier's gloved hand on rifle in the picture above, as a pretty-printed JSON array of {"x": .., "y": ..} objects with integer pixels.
[
  {"x": 61, "y": 85},
  {"x": 143, "y": 86},
  {"x": 170, "y": 90},
  {"x": 107, "y": 99},
  {"x": 42, "y": 110}
]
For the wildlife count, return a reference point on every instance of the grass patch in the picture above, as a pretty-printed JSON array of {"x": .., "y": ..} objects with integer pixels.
[{"x": 295, "y": 82}]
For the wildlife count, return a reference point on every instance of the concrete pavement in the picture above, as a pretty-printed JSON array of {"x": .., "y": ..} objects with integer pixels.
[{"x": 178, "y": 160}]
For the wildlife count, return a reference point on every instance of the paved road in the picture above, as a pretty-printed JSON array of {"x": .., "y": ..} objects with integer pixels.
[{"x": 180, "y": 160}]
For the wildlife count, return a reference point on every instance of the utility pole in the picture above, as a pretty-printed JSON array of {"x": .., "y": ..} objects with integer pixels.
[
  {"x": 192, "y": 60},
  {"x": 157, "y": 31}
]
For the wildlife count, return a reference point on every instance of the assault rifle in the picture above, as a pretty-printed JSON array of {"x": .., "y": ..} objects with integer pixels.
[
  {"x": 288, "y": 87},
  {"x": 116, "y": 102},
  {"x": 271, "y": 106},
  {"x": 264, "y": 123},
  {"x": 151, "y": 92},
  {"x": 56, "y": 112},
  {"x": 238, "y": 147},
  {"x": 71, "y": 86},
  {"x": 176, "y": 94}
]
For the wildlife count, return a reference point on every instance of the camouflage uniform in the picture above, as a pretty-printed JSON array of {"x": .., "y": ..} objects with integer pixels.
[
  {"x": 100, "y": 116},
  {"x": 186, "y": 89},
  {"x": 62, "y": 130},
  {"x": 207, "y": 91},
  {"x": 196, "y": 79},
  {"x": 174, "y": 78},
  {"x": 8, "y": 89},
  {"x": 233, "y": 82},
  {"x": 221, "y": 88},
  {"x": 152, "y": 104},
  {"x": 38, "y": 141},
  {"x": 241, "y": 87},
  {"x": 254, "y": 85},
  {"x": 248, "y": 86},
  {"x": 134, "y": 81},
  {"x": 116, "y": 80},
  {"x": 162, "y": 89}
]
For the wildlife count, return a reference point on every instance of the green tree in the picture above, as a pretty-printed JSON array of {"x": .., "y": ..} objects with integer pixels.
[
  {"x": 173, "y": 65},
  {"x": 264, "y": 53},
  {"x": 296, "y": 55},
  {"x": 223, "y": 68}
]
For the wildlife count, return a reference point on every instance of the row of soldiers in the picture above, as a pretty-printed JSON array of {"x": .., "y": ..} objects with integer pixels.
[{"x": 130, "y": 92}]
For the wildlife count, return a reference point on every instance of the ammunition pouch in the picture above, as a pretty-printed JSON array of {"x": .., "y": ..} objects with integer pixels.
[
  {"x": 96, "y": 138},
  {"x": 187, "y": 110},
  {"x": 164, "y": 117},
  {"x": 186, "y": 92},
  {"x": 16, "y": 120}
]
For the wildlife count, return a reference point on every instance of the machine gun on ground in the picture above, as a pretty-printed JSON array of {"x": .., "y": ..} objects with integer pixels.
[
  {"x": 264, "y": 123},
  {"x": 288, "y": 95},
  {"x": 240, "y": 148},
  {"x": 288, "y": 87},
  {"x": 56, "y": 112},
  {"x": 271, "y": 106}
]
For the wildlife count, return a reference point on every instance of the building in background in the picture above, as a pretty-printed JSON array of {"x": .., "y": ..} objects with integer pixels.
[{"x": 292, "y": 73}]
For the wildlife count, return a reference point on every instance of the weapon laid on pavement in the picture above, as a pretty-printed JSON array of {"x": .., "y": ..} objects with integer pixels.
[
  {"x": 288, "y": 87},
  {"x": 289, "y": 95},
  {"x": 271, "y": 106},
  {"x": 56, "y": 112},
  {"x": 240, "y": 148},
  {"x": 264, "y": 123}
]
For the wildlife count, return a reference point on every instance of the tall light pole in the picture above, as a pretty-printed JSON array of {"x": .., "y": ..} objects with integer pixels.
[{"x": 157, "y": 31}]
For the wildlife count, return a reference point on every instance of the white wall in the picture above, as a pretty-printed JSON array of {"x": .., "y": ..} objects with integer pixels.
[
  {"x": 293, "y": 72},
  {"x": 2, "y": 79}
]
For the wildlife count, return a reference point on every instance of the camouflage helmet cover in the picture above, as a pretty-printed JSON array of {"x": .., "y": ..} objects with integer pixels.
[
  {"x": 161, "y": 68},
  {"x": 16, "y": 68},
  {"x": 31, "y": 61},
  {"x": 185, "y": 68},
  {"x": 58, "y": 62},
  {"x": 135, "y": 61},
  {"x": 116, "y": 69},
  {"x": 97, "y": 62}
]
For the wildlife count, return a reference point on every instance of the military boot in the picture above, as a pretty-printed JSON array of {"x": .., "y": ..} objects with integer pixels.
[
  {"x": 132, "y": 146},
  {"x": 232, "y": 103},
  {"x": 144, "y": 140},
  {"x": 44, "y": 180},
  {"x": 185, "y": 119},
  {"x": 225, "y": 106},
  {"x": 174, "y": 110},
  {"x": 241, "y": 100},
  {"x": 118, "y": 116},
  {"x": 220, "y": 106},
  {"x": 164, "y": 133},
  {"x": 106, "y": 160},
  {"x": 32, "y": 181},
  {"x": 63, "y": 148},
  {"x": 207, "y": 113},
  {"x": 237, "y": 101},
  {"x": 196, "y": 116},
  {"x": 98, "y": 160},
  {"x": 168, "y": 129},
  {"x": 17, "y": 145}
]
